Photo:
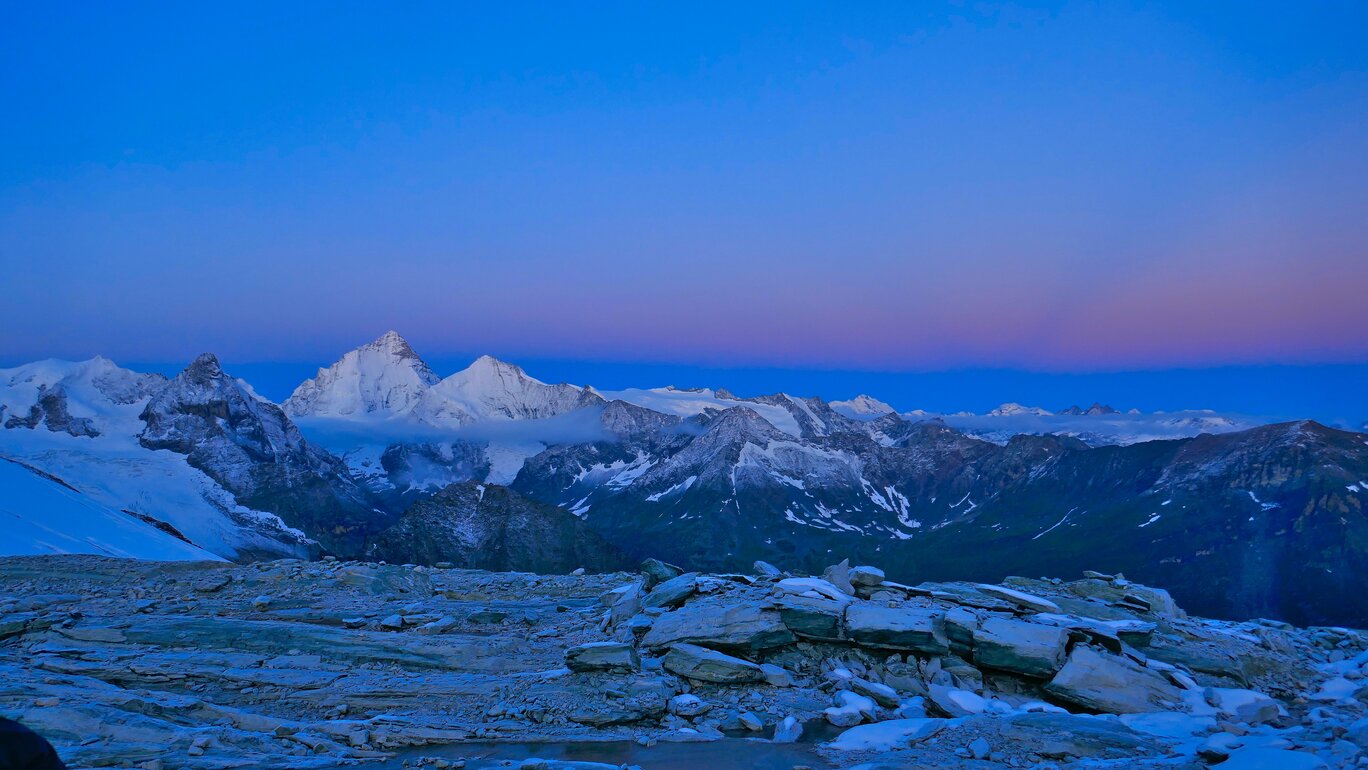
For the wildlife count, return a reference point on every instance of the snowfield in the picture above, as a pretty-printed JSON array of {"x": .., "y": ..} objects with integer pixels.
[{"x": 42, "y": 516}]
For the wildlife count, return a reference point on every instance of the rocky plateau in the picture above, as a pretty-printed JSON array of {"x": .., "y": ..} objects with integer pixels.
[{"x": 321, "y": 664}]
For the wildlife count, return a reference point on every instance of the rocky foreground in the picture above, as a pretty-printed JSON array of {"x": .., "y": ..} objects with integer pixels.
[{"x": 327, "y": 664}]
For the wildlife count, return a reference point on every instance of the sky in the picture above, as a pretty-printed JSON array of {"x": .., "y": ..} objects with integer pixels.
[{"x": 1038, "y": 194}]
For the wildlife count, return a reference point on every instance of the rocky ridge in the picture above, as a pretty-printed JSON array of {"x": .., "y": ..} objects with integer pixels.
[
  {"x": 312, "y": 664},
  {"x": 252, "y": 449}
]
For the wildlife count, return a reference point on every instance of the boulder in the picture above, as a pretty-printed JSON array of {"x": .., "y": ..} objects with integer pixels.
[
  {"x": 1020, "y": 647},
  {"x": 1154, "y": 600},
  {"x": 638, "y": 625},
  {"x": 954, "y": 702},
  {"x": 1111, "y": 683},
  {"x": 904, "y": 677},
  {"x": 1134, "y": 632},
  {"x": 778, "y": 676},
  {"x": 1098, "y": 632},
  {"x": 918, "y": 629},
  {"x": 652, "y": 692},
  {"x": 812, "y": 618},
  {"x": 703, "y": 664},
  {"x": 963, "y": 673},
  {"x": 979, "y": 748},
  {"x": 866, "y": 576},
  {"x": 655, "y": 571},
  {"x": 765, "y": 569},
  {"x": 606, "y": 717},
  {"x": 1244, "y": 705},
  {"x": 602, "y": 656},
  {"x": 1143, "y": 598},
  {"x": 839, "y": 576},
  {"x": 851, "y": 709},
  {"x": 212, "y": 583},
  {"x": 688, "y": 706},
  {"x": 881, "y": 693},
  {"x": 888, "y": 736},
  {"x": 788, "y": 730},
  {"x": 439, "y": 626},
  {"x": 672, "y": 592},
  {"x": 623, "y": 602},
  {"x": 1213, "y": 659},
  {"x": 742, "y": 626}
]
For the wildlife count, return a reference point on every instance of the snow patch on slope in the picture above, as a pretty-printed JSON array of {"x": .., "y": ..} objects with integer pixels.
[
  {"x": 41, "y": 516},
  {"x": 115, "y": 471}
]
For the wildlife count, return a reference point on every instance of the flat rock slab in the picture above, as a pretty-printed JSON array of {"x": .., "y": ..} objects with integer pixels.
[
  {"x": 740, "y": 626},
  {"x": 672, "y": 592},
  {"x": 602, "y": 656},
  {"x": 1019, "y": 598},
  {"x": 917, "y": 629},
  {"x": 812, "y": 618},
  {"x": 701, "y": 663},
  {"x": 467, "y": 653},
  {"x": 1078, "y": 735},
  {"x": 293, "y": 678},
  {"x": 1020, "y": 647},
  {"x": 1112, "y": 683}
]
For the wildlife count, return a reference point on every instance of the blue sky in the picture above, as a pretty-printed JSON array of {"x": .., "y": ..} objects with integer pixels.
[{"x": 743, "y": 188}]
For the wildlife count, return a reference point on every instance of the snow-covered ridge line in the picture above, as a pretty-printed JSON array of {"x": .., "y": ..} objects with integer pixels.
[{"x": 387, "y": 380}]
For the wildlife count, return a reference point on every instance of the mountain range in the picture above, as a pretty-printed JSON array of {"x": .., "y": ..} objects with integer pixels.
[{"x": 377, "y": 455}]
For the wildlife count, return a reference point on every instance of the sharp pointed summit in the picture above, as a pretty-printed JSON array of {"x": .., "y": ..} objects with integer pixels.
[{"x": 383, "y": 377}]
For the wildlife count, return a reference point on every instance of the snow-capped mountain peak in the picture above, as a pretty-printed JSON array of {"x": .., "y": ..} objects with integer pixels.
[
  {"x": 82, "y": 398},
  {"x": 862, "y": 407},
  {"x": 487, "y": 370},
  {"x": 490, "y": 389},
  {"x": 1012, "y": 409},
  {"x": 385, "y": 376}
]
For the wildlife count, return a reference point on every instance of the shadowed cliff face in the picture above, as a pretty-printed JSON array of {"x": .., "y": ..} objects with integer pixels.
[
  {"x": 1265, "y": 522},
  {"x": 51, "y": 411},
  {"x": 483, "y": 526},
  {"x": 1268, "y": 522},
  {"x": 253, "y": 450}
]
